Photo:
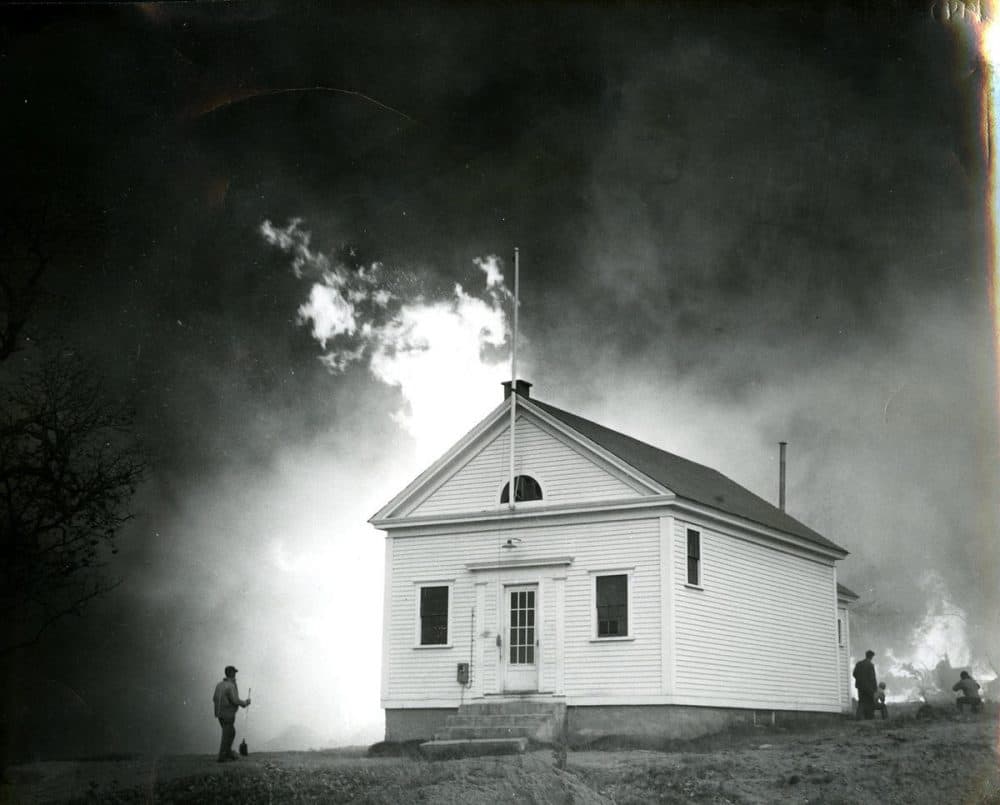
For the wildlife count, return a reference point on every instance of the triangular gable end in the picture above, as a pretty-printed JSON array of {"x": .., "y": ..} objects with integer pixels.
[
  {"x": 467, "y": 478},
  {"x": 436, "y": 470}
]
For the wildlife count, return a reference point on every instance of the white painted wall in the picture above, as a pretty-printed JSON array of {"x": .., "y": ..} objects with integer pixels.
[
  {"x": 846, "y": 681},
  {"x": 761, "y": 632},
  {"x": 566, "y": 475},
  {"x": 571, "y": 659}
]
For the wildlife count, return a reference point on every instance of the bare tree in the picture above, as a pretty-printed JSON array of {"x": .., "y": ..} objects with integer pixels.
[
  {"x": 69, "y": 467},
  {"x": 69, "y": 463}
]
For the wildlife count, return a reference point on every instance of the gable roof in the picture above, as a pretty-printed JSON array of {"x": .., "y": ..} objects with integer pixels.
[
  {"x": 846, "y": 593},
  {"x": 687, "y": 479}
]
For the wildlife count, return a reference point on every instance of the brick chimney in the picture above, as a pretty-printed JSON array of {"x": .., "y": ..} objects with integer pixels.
[{"x": 521, "y": 388}]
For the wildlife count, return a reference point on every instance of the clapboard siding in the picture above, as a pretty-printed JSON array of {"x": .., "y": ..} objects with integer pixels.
[
  {"x": 589, "y": 668},
  {"x": 565, "y": 474},
  {"x": 762, "y": 624},
  {"x": 614, "y": 668}
]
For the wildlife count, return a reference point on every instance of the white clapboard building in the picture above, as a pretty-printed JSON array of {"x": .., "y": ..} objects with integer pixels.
[{"x": 627, "y": 591}]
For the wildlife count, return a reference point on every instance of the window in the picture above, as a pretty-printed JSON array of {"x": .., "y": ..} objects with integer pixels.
[
  {"x": 434, "y": 616},
  {"x": 611, "y": 595},
  {"x": 694, "y": 557},
  {"x": 525, "y": 488}
]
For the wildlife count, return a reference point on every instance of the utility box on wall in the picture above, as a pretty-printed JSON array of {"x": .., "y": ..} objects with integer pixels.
[{"x": 463, "y": 673}]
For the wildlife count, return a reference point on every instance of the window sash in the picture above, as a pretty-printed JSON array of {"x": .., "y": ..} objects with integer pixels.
[
  {"x": 693, "y": 557},
  {"x": 434, "y": 616},
  {"x": 611, "y": 600}
]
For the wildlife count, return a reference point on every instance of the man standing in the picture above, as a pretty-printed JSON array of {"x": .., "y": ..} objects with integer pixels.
[
  {"x": 866, "y": 683},
  {"x": 227, "y": 702}
]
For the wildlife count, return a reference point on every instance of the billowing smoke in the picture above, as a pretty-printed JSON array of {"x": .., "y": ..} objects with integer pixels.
[{"x": 445, "y": 356}]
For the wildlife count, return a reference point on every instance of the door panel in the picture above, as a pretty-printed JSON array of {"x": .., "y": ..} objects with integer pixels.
[{"x": 521, "y": 666}]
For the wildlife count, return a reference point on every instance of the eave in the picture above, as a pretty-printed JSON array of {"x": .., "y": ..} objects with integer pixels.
[{"x": 652, "y": 505}]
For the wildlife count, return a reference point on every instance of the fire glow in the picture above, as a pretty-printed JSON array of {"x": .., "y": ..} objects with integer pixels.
[{"x": 417, "y": 345}]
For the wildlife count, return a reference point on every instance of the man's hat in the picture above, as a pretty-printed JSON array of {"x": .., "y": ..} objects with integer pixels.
[
  {"x": 868, "y": 653},
  {"x": 230, "y": 670}
]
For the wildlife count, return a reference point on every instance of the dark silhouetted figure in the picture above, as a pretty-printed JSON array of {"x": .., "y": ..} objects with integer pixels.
[
  {"x": 867, "y": 685},
  {"x": 227, "y": 703},
  {"x": 969, "y": 689}
]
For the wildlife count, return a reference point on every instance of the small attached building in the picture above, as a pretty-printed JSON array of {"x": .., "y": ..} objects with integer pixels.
[{"x": 646, "y": 593}]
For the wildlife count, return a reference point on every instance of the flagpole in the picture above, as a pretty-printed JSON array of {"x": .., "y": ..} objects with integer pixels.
[{"x": 513, "y": 380}]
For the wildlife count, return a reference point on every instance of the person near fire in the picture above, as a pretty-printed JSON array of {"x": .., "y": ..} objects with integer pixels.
[
  {"x": 969, "y": 689},
  {"x": 227, "y": 703},
  {"x": 866, "y": 684}
]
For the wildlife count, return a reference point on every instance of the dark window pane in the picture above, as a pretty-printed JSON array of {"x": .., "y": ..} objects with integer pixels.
[
  {"x": 612, "y": 606},
  {"x": 694, "y": 544},
  {"x": 433, "y": 616},
  {"x": 693, "y": 557},
  {"x": 525, "y": 488},
  {"x": 529, "y": 654}
]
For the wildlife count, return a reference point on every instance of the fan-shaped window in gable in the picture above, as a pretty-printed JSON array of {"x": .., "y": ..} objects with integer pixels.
[{"x": 525, "y": 488}]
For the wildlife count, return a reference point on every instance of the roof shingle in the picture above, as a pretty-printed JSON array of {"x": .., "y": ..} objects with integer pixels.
[{"x": 687, "y": 479}]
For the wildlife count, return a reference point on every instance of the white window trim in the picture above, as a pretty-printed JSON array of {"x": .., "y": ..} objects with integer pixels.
[
  {"x": 417, "y": 586},
  {"x": 523, "y": 503},
  {"x": 594, "y": 576},
  {"x": 700, "y": 584}
]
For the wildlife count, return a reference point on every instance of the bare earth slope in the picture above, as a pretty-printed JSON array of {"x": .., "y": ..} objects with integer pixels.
[{"x": 950, "y": 760}]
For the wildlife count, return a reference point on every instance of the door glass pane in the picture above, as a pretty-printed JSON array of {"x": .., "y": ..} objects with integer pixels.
[{"x": 522, "y": 627}]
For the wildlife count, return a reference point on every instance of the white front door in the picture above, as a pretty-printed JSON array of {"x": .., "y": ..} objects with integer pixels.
[{"x": 521, "y": 656}]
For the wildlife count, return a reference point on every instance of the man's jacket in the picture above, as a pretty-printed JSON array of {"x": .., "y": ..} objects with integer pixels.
[
  {"x": 226, "y": 699},
  {"x": 864, "y": 677}
]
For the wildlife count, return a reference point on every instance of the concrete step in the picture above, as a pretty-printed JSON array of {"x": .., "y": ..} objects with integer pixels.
[
  {"x": 512, "y": 707},
  {"x": 511, "y": 731},
  {"x": 498, "y": 720},
  {"x": 474, "y": 747}
]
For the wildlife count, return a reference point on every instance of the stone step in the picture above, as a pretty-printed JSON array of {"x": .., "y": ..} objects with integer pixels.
[
  {"x": 474, "y": 747},
  {"x": 498, "y": 720},
  {"x": 511, "y": 731},
  {"x": 512, "y": 707}
]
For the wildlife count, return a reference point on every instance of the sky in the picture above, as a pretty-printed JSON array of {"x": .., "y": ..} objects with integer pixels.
[{"x": 285, "y": 233}]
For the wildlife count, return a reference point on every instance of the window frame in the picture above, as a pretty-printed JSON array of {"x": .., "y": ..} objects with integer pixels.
[
  {"x": 418, "y": 587},
  {"x": 536, "y": 502},
  {"x": 699, "y": 559},
  {"x": 628, "y": 573}
]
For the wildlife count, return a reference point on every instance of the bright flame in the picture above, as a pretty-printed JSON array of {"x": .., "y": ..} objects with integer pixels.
[{"x": 444, "y": 356}]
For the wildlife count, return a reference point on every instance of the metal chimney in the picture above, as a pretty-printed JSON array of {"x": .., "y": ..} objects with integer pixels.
[{"x": 781, "y": 475}]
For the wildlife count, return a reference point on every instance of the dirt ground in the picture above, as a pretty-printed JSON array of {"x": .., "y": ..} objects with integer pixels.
[{"x": 949, "y": 759}]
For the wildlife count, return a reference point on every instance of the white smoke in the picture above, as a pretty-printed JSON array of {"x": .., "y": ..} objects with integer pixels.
[{"x": 445, "y": 356}]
